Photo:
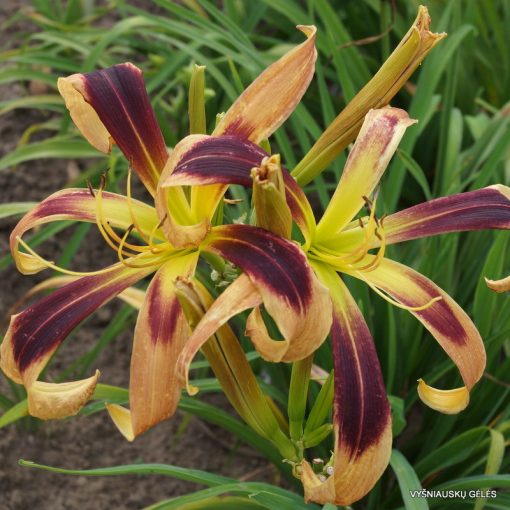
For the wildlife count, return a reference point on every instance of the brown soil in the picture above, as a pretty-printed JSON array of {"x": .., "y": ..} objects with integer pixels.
[{"x": 93, "y": 441}]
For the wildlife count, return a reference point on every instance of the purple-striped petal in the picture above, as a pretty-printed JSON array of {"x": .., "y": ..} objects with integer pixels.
[
  {"x": 361, "y": 412},
  {"x": 79, "y": 205},
  {"x": 444, "y": 318},
  {"x": 35, "y": 334},
  {"x": 160, "y": 334},
  {"x": 229, "y": 160},
  {"x": 487, "y": 208},
  {"x": 112, "y": 105},
  {"x": 277, "y": 274}
]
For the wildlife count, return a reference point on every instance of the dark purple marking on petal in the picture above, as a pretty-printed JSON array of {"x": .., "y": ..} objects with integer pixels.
[
  {"x": 440, "y": 315},
  {"x": 163, "y": 314},
  {"x": 241, "y": 128},
  {"x": 486, "y": 208},
  {"x": 220, "y": 160},
  {"x": 229, "y": 160},
  {"x": 275, "y": 262},
  {"x": 361, "y": 408},
  {"x": 119, "y": 97},
  {"x": 78, "y": 203},
  {"x": 43, "y": 326}
]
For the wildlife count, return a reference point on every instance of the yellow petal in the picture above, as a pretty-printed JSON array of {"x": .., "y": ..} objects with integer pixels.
[
  {"x": 377, "y": 141},
  {"x": 445, "y": 401},
  {"x": 160, "y": 334}
]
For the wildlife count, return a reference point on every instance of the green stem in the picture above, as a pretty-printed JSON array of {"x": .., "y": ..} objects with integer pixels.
[{"x": 298, "y": 392}]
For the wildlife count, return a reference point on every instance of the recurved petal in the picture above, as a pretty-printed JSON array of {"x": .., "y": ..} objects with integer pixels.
[
  {"x": 376, "y": 143},
  {"x": 502, "y": 285},
  {"x": 183, "y": 226},
  {"x": 206, "y": 161},
  {"x": 270, "y": 99},
  {"x": 160, "y": 333},
  {"x": 111, "y": 105},
  {"x": 361, "y": 412},
  {"x": 35, "y": 334},
  {"x": 444, "y": 318},
  {"x": 291, "y": 293},
  {"x": 486, "y": 208},
  {"x": 79, "y": 205}
]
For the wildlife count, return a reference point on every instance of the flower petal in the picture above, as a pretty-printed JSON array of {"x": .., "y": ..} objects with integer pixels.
[
  {"x": 79, "y": 205},
  {"x": 486, "y": 208},
  {"x": 270, "y": 99},
  {"x": 377, "y": 93},
  {"x": 35, "y": 334},
  {"x": 276, "y": 274},
  {"x": 377, "y": 141},
  {"x": 112, "y": 105},
  {"x": 160, "y": 333},
  {"x": 361, "y": 412},
  {"x": 181, "y": 225},
  {"x": 502, "y": 285},
  {"x": 238, "y": 296},
  {"x": 206, "y": 161},
  {"x": 445, "y": 319}
]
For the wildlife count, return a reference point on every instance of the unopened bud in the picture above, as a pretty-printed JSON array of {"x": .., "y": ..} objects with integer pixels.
[{"x": 271, "y": 208}]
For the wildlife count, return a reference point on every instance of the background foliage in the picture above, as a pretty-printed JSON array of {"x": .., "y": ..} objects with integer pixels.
[{"x": 460, "y": 96}]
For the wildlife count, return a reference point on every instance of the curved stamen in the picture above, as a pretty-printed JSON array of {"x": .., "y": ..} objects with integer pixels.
[
  {"x": 130, "y": 207},
  {"x": 110, "y": 236},
  {"x": 393, "y": 301},
  {"x": 51, "y": 265},
  {"x": 153, "y": 247}
]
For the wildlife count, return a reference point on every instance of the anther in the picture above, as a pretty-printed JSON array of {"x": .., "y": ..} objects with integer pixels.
[{"x": 91, "y": 189}]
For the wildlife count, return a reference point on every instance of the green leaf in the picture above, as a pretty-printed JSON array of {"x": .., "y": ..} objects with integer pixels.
[
  {"x": 43, "y": 102},
  {"x": 190, "y": 475},
  {"x": 52, "y": 148},
  {"x": 15, "y": 208},
  {"x": 416, "y": 171},
  {"x": 15, "y": 413},
  {"x": 407, "y": 481},
  {"x": 397, "y": 414}
]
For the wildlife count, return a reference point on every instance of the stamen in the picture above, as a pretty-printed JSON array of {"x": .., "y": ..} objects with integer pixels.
[
  {"x": 103, "y": 226},
  {"x": 154, "y": 248},
  {"x": 110, "y": 236},
  {"x": 123, "y": 241},
  {"x": 51, "y": 265},
  {"x": 394, "y": 302},
  {"x": 130, "y": 207},
  {"x": 91, "y": 189}
]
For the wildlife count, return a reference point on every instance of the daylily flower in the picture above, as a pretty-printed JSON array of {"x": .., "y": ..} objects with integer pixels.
[
  {"x": 112, "y": 106},
  {"x": 341, "y": 243}
]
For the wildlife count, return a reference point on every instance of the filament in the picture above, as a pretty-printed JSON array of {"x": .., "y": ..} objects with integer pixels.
[
  {"x": 130, "y": 207},
  {"x": 397, "y": 303},
  {"x": 51, "y": 265}
]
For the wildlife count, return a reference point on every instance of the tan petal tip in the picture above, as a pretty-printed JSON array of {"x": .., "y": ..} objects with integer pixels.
[
  {"x": 308, "y": 30},
  {"x": 83, "y": 115},
  {"x": 499, "y": 286},
  {"x": 51, "y": 401},
  {"x": 445, "y": 401}
]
